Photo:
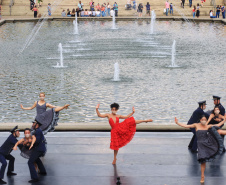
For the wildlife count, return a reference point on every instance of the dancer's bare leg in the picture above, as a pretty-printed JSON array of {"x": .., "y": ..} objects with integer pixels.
[
  {"x": 115, "y": 155},
  {"x": 57, "y": 109},
  {"x": 141, "y": 121},
  {"x": 203, "y": 167}
]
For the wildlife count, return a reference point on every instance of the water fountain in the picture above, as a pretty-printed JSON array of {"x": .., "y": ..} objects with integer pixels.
[
  {"x": 153, "y": 17},
  {"x": 113, "y": 22},
  {"x": 173, "y": 64},
  {"x": 75, "y": 22},
  {"x": 116, "y": 73},
  {"x": 61, "y": 64}
]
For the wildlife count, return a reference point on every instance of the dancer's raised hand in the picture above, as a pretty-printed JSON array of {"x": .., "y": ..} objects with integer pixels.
[
  {"x": 98, "y": 105},
  {"x": 66, "y": 106},
  {"x": 133, "y": 110},
  {"x": 176, "y": 120},
  {"x": 21, "y": 106}
]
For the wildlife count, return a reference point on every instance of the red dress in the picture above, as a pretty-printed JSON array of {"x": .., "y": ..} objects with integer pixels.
[{"x": 122, "y": 133}]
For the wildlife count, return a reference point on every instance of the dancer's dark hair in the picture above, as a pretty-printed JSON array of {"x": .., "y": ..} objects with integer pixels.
[
  {"x": 214, "y": 110},
  {"x": 26, "y": 129},
  {"x": 116, "y": 105},
  {"x": 203, "y": 116}
]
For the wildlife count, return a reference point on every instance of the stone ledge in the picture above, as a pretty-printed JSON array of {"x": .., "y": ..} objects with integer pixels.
[{"x": 101, "y": 126}]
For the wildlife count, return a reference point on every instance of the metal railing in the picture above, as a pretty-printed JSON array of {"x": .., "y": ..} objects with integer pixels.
[{"x": 10, "y": 6}]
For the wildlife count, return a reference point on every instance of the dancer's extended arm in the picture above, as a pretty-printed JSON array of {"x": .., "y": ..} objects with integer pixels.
[
  {"x": 28, "y": 108},
  {"x": 99, "y": 114},
  {"x": 57, "y": 108},
  {"x": 210, "y": 118},
  {"x": 129, "y": 115},
  {"x": 19, "y": 142},
  {"x": 221, "y": 123},
  {"x": 184, "y": 125},
  {"x": 33, "y": 142}
]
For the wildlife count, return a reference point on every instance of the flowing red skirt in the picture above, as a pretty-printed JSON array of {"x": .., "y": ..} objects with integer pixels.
[{"x": 122, "y": 133}]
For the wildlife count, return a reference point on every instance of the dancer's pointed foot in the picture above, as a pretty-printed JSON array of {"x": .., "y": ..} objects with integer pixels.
[
  {"x": 114, "y": 161},
  {"x": 149, "y": 120},
  {"x": 202, "y": 179}
]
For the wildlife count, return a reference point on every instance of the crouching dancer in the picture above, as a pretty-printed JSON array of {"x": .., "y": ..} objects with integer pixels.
[{"x": 5, "y": 151}]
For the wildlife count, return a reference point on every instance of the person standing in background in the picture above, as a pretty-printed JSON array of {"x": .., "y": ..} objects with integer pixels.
[
  {"x": 190, "y": 3},
  {"x": 148, "y": 9},
  {"x": 49, "y": 9},
  {"x": 183, "y": 1},
  {"x": 167, "y": 7},
  {"x": 218, "y": 11},
  {"x": 116, "y": 9},
  {"x": 223, "y": 12},
  {"x": 35, "y": 9},
  {"x": 109, "y": 9},
  {"x": 171, "y": 8},
  {"x": 194, "y": 11}
]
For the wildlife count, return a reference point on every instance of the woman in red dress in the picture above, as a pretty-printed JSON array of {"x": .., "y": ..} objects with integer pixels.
[{"x": 121, "y": 133}]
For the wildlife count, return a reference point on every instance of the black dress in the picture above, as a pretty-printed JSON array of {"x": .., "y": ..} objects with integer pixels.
[
  {"x": 48, "y": 118},
  {"x": 210, "y": 144}
]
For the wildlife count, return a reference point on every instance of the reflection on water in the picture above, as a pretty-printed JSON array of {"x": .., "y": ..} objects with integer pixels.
[{"x": 156, "y": 91}]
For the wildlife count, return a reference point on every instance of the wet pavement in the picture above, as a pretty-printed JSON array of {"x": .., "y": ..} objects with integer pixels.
[{"x": 84, "y": 158}]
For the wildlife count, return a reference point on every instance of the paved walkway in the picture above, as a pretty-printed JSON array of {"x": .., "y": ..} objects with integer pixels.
[{"x": 84, "y": 158}]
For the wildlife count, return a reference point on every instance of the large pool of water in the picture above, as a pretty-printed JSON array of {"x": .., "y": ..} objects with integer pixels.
[{"x": 156, "y": 91}]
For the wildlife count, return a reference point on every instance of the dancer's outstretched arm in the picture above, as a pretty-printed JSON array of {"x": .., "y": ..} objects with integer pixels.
[
  {"x": 99, "y": 114},
  {"x": 184, "y": 125},
  {"x": 19, "y": 142},
  {"x": 28, "y": 108},
  {"x": 57, "y": 109},
  {"x": 33, "y": 141},
  {"x": 129, "y": 115},
  {"x": 210, "y": 118},
  {"x": 219, "y": 124}
]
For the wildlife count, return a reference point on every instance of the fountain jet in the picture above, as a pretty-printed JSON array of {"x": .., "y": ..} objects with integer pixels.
[
  {"x": 61, "y": 64},
  {"x": 75, "y": 22},
  {"x": 173, "y": 64},
  {"x": 116, "y": 73},
  {"x": 153, "y": 17}
]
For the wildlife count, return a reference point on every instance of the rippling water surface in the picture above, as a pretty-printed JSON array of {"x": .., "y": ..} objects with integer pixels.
[{"x": 147, "y": 83}]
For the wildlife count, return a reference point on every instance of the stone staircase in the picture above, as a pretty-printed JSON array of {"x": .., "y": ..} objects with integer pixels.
[{"x": 22, "y": 7}]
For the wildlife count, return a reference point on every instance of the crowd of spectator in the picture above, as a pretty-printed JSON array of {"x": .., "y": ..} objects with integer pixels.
[{"x": 94, "y": 10}]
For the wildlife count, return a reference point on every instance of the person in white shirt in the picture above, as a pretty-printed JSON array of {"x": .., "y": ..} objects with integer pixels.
[
  {"x": 63, "y": 13},
  {"x": 98, "y": 13},
  {"x": 93, "y": 13},
  {"x": 90, "y": 13},
  {"x": 211, "y": 14},
  {"x": 112, "y": 12}
]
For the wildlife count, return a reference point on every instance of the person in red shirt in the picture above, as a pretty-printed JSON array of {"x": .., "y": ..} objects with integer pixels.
[{"x": 98, "y": 7}]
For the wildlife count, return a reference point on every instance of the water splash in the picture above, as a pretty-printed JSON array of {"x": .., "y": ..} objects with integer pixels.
[
  {"x": 116, "y": 73},
  {"x": 153, "y": 18}
]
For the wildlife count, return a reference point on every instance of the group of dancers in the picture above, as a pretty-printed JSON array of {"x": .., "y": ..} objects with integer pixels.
[
  {"x": 206, "y": 127},
  {"x": 208, "y": 138},
  {"x": 33, "y": 144}
]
